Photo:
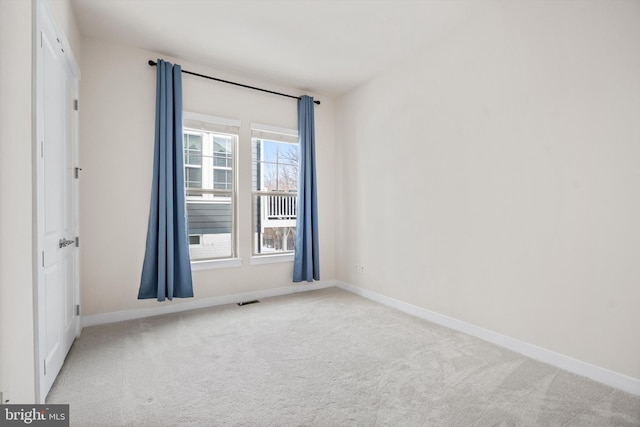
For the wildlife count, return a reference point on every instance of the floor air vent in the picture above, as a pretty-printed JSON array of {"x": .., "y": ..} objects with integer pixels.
[{"x": 248, "y": 302}]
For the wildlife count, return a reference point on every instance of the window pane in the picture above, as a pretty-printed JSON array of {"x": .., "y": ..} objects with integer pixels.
[
  {"x": 192, "y": 158},
  {"x": 268, "y": 179},
  {"x": 274, "y": 219},
  {"x": 192, "y": 149},
  {"x": 269, "y": 151},
  {"x": 288, "y": 153},
  {"x": 278, "y": 169},
  {"x": 193, "y": 177},
  {"x": 221, "y": 145},
  {"x": 213, "y": 222},
  {"x": 222, "y": 179},
  {"x": 288, "y": 178},
  {"x": 222, "y": 162},
  {"x": 276, "y": 239}
]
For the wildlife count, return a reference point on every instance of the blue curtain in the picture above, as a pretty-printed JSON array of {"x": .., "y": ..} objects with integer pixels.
[
  {"x": 306, "y": 265},
  {"x": 166, "y": 272}
]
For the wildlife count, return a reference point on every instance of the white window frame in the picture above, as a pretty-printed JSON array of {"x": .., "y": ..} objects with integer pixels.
[
  {"x": 281, "y": 135},
  {"x": 209, "y": 125}
]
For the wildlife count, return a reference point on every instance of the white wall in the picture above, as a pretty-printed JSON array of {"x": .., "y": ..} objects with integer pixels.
[
  {"x": 16, "y": 287},
  {"x": 116, "y": 154},
  {"x": 494, "y": 179}
]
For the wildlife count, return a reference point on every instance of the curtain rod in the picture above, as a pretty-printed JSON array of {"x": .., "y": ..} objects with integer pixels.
[{"x": 153, "y": 64}]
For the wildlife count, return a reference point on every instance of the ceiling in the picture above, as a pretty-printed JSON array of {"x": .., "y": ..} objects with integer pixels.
[{"x": 322, "y": 46}]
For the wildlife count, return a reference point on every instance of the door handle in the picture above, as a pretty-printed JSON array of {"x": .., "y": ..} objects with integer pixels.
[{"x": 63, "y": 243}]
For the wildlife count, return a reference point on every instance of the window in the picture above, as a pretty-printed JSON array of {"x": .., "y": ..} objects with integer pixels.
[
  {"x": 276, "y": 156},
  {"x": 209, "y": 161}
]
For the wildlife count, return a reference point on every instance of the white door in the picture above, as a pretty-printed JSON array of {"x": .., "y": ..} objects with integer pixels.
[{"x": 57, "y": 290}]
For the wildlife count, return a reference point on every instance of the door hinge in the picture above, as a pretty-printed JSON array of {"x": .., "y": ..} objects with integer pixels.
[
  {"x": 42, "y": 148},
  {"x": 77, "y": 172},
  {"x": 45, "y": 366},
  {"x": 77, "y": 309},
  {"x": 77, "y": 241},
  {"x": 43, "y": 258},
  {"x": 75, "y": 104}
]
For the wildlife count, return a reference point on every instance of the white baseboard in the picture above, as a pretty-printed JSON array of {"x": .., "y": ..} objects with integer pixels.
[
  {"x": 596, "y": 373},
  {"x": 192, "y": 304}
]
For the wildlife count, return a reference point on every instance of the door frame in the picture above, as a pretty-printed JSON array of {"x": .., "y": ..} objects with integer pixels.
[{"x": 43, "y": 18}]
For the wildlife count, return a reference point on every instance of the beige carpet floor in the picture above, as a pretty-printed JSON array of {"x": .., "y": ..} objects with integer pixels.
[{"x": 321, "y": 358}]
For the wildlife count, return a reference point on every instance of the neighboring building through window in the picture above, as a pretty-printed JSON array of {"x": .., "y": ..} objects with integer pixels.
[
  {"x": 276, "y": 156},
  {"x": 210, "y": 162},
  {"x": 193, "y": 158}
]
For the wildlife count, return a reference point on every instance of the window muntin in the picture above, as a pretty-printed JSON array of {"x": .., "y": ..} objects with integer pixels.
[
  {"x": 274, "y": 196},
  {"x": 210, "y": 186}
]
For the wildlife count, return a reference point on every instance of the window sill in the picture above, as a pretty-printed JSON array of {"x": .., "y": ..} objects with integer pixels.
[
  {"x": 211, "y": 264},
  {"x": 271, "y": 259}
]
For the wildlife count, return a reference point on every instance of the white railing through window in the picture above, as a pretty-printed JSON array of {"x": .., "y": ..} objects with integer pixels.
[
  {"x": 278, "y": 210},
  {"x": 279, "y": 207}
]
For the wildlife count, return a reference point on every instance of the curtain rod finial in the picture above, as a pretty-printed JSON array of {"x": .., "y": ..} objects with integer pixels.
[
  {"x": 152, "y": 63},
  {"x": 317, "y": 102}
]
